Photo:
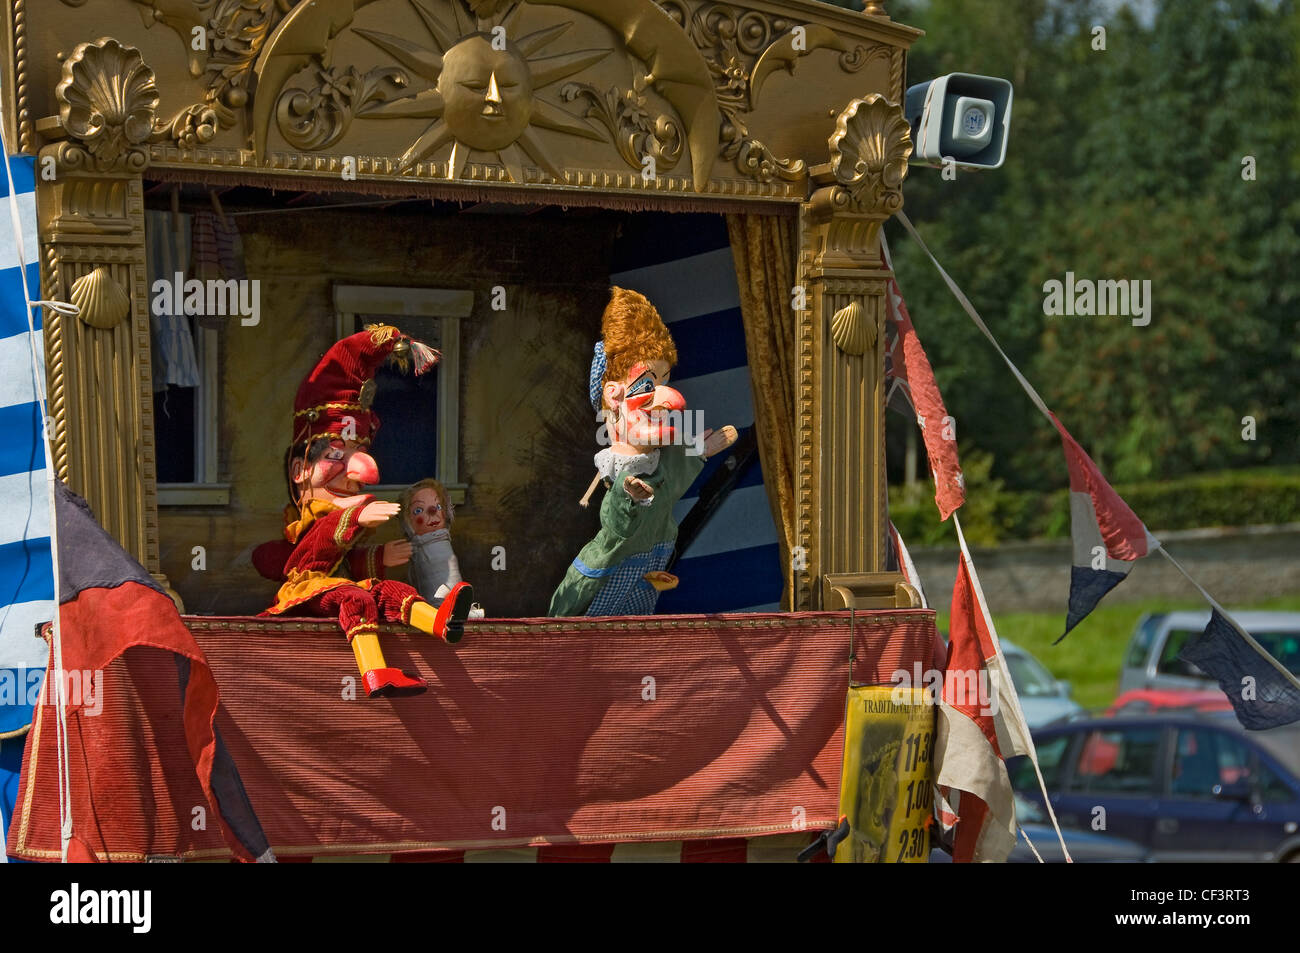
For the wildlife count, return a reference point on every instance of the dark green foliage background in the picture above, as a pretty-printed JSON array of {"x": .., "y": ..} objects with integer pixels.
[{"x": 1127, "y": 164}]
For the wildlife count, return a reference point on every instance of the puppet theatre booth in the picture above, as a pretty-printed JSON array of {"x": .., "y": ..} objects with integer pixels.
[{"x": 361, "y": 291}]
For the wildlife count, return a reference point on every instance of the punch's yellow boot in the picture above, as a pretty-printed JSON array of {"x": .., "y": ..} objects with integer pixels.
[
  {"x": 380, "y": 680},
  {"x": 447, "y": 621}
]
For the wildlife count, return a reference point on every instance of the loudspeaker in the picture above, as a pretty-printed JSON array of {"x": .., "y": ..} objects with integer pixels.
[{"x": 960, "y": 116}]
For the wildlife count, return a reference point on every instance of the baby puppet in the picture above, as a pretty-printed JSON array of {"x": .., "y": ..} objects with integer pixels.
[
  {"x": 427, "y": 515},
  {"x": 646, "y": 468}
]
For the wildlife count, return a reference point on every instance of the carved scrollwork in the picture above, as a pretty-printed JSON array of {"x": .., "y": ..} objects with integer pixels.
[
  {"x": 318, "y": 117},
  {"x": 731, "y": 42},
  {"x": 743, "y": 48},
  {"x": 635, "y": 132},
  {"x": 237, "y": 31},
  {"x": 869, "y": 150},
  {"x": 189, "y": 128},
  {"x": 185, "y": 18},
  {"x": 107, "y": 99}
]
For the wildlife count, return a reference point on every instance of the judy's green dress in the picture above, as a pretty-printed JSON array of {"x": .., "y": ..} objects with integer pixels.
[{"x": 634, "y": 539}]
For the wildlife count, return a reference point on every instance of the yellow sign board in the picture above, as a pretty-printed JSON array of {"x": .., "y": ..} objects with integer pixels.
[{"x": 886, "y": 787}]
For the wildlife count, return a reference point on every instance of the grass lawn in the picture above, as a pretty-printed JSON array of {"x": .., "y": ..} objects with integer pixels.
[{"x": 1090, "y": 657}]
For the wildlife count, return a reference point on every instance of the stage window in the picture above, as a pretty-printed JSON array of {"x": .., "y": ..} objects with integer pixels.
[
  {"x": 185, "y": 373},
  {"x": 419, "y": 434}
]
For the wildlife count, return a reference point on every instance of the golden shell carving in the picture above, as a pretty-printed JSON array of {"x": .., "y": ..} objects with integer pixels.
[
  {"x": 869, "y": 151},
  {"x": 851, "y": 331},
  {"x": 107, "y": 98},
  {"x": 103, "y": 302}
]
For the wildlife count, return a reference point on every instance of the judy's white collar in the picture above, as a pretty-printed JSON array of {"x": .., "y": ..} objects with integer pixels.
[{"x": 612, "y": 466}]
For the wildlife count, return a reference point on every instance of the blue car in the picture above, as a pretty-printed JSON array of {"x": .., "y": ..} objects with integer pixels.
[
  {"x": 1187, "y": 786},
  {"x": 1085, "y": 847}
]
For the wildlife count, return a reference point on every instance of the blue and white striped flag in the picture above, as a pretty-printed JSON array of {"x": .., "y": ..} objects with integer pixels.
[{"x": 26, "y": 572}]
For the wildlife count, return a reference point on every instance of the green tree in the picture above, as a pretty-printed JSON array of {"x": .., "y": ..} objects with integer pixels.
[{"x": 1124, "y": 163}]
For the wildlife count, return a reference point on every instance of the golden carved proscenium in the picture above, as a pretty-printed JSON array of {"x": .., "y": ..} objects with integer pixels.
[
  {"x": 680, "y": 83},
  {"x": 869, "y": 150},
  {"x": 107, "y": 100},
  {"x": 483, "y": 97},
  {"x": 483, "y": 83},
  {"x": 685, "y": 82}
]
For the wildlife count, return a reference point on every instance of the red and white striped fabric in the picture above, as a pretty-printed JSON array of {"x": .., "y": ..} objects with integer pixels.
[
  {"x": 777, "y": 849},
  {"x": 980, "y": 724}
]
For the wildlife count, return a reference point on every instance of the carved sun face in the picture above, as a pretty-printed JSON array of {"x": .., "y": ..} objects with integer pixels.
[
  {"x": 484, "y": 92},
  {"x": 487, "y": 94}
]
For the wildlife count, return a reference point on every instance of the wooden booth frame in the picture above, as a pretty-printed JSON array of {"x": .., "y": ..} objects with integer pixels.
[{"x": 783, "y": 106}]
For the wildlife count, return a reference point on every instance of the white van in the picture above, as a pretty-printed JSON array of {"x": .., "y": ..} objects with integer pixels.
[{"x": 1152, "y": 659}]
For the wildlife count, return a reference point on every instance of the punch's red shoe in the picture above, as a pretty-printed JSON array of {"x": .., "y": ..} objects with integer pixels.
[
  {"x": 449, "y": 623},
  {"x": 392, "y": 683}
]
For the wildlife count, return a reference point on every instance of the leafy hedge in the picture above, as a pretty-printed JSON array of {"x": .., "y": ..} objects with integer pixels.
[{"x": 992, "y": 514}]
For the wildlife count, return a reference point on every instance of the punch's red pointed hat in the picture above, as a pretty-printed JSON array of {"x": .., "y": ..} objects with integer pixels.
[{"x": 334, "y": 399}]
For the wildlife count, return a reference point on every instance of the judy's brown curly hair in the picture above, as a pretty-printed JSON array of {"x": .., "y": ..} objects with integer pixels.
[
  {"x": 428, "y": 483},
  {"x": 633, "y": 331}
]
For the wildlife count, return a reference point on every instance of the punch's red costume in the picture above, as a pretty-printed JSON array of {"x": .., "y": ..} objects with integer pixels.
[
  {"x": 313, "y": 553},
  {"x": 324, "y": 531}
]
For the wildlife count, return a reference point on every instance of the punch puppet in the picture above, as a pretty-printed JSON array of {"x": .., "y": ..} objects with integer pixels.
[
  {"x": 650, "y": 462},
  {"x": 330, "y": 516}
]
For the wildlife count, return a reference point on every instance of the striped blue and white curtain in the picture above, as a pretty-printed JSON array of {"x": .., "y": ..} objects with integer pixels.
[
  {"x": 683, "y": 264},
  {"x": 26, "y": 572}
]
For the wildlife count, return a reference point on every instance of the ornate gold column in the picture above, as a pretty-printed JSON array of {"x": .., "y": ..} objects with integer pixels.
[
  {"x": 90, "y": 206},
  {"x": 842, "y": 497}
]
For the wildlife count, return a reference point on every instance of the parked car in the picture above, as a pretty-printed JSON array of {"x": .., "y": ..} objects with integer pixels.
[
  {"x": 1085, "y": 847},
  {"x": 1153, "y": 699},
  {"x": 1187, "y": 785},
  {"x": 1043, "y": 698},
  {"x": 1152, "y": 658}
]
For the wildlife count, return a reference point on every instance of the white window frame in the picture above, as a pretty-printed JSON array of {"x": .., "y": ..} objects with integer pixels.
[{"x": 449, "y": 305}]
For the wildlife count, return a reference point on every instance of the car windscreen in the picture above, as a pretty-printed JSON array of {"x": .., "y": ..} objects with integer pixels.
[
  {"x": 1283, "y": 646},
  {"x": 1117, "y": 761},
  {"x": 1170, "y": 663},
  {"x": 1030, "y": 678},
  {"x": 1142, "y": 639}
]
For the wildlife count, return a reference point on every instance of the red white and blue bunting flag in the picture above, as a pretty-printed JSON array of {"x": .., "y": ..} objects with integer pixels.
[
  {"x": 907, "y": 368},
  {"x": 1108, "y": 538}
]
